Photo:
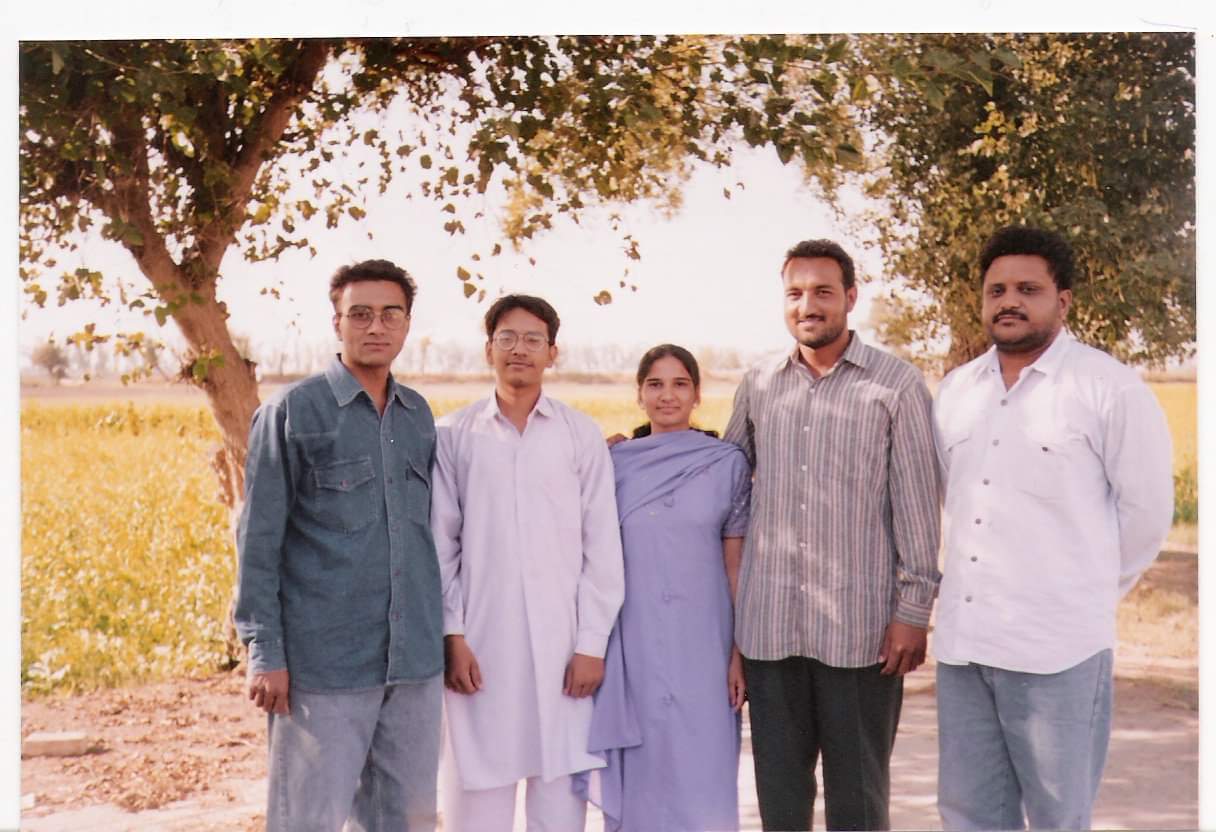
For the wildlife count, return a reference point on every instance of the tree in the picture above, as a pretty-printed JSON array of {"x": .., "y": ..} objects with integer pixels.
[
  {"x": 1092, "y": 135},
  {"x": 50, "y": 357},
  {"x": 187, "y": 150}
]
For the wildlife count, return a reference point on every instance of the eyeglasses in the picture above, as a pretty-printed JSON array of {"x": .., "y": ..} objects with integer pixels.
[
  {"x": 361, "y": 317},
  {"x": 507, "y": 339}
]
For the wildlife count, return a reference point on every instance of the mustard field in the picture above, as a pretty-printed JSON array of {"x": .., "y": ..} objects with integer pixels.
[{"x": 127, "y": 561}]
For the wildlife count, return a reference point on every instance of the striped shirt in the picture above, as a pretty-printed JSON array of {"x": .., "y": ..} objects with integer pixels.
[{"x": 845, "y": 517}]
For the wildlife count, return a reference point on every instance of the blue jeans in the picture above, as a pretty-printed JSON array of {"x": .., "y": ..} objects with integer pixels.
[
  {"x": 365, "y": 758},
  {"x": 1016, "y": 747}
]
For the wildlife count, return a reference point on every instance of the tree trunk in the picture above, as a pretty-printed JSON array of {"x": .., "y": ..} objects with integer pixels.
[{"x": 967, "y": 341}]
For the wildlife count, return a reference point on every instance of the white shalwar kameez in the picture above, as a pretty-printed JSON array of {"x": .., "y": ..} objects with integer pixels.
[{"x": 529, "y": 546}]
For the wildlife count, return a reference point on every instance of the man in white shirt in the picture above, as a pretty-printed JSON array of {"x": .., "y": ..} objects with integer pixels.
[
  {"x": 1057, "y": 465},
  {"x": 525, "y": 524}
]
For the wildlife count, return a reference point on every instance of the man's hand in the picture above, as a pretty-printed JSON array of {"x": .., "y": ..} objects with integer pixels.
[
  {"x": 583, "y": 676},
  {"x": 269, "y": 691},
  {"x": 736, "y": 688},
  {"x": 616, "y": 439},
  {"x": 461, "y": 672},
  {"x": 903, "y": 648}
]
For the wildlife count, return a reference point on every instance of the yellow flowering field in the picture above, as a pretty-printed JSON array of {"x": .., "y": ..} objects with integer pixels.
[{"x": 127, "y": 557}]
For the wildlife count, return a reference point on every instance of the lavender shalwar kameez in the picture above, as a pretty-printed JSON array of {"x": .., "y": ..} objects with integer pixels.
[{"x": 662, "y": 717}]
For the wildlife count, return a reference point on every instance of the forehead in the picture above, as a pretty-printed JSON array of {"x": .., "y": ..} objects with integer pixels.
[
  {"x": 1018, "y": 268},
  {"x": 668, "y": 367},
  {"x": 374, "y": 293},
  {"x": 521, "y": 320},
  {"x": 809, "y": 272}
]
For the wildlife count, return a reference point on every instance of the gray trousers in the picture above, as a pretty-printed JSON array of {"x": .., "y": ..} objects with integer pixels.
[
  {"x": 1022, "y": 747},
  {"x": 801, "y": 708},
  {"x": 365, "y": 758}
]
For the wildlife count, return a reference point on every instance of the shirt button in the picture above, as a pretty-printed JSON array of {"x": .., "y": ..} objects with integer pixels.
[
  {"x": 803, "y": 467},
  {"x": 668, "y": 699},
  {"x": 801, "y": 544},
  {"x": 396, "y": 616},
  {"x": 978, "y": 521},
  {"x": 968, "y": 599},
  {"x": 391, "y": 441},
  {"x": 802, "y": 588},
  {"x": 985, "y": 482},
  {"x": 996, "y": 441},
  {"x": 805, "y": 428},
  {"x": 802, "y": 506},
  {"x": 390, "y": 480},
  {"x": 974, "y": 558},
  {"x": 1004, "y": 402},
  {"x": 666, "y": 597},
  {"x": 397, "y": 572}
]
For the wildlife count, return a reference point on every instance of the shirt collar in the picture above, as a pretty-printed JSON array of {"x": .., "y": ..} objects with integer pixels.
[
  {"x": 346, "y": 388},
  {"x": 856, "y": 353},
  {"x": 543, "y": 407},
  {"x": 1048, "y": 363}
]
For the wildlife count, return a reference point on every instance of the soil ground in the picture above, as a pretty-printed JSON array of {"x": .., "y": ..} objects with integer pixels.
[{"x": 190, "y": 754}]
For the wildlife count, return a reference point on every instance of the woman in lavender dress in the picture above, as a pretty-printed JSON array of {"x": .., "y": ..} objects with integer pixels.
[{"x": 667, "y": 715}]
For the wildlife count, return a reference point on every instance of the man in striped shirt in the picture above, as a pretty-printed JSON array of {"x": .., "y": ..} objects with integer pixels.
[{"x": 840, "y": 560}]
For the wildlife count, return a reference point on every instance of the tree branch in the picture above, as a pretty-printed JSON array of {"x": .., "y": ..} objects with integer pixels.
[{"x": 218, "y": 235}]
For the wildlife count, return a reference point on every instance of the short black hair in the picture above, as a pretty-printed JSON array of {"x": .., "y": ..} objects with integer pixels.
[
  {"x": 1022, "y": 239},
  {"x": 824, "y": 248},
  {"x": 373, "y": 270},
  {"x": 539, "y": 307}
]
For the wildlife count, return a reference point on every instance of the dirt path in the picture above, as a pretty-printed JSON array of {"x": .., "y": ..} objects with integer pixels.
[{"x": 190, "y": 755}]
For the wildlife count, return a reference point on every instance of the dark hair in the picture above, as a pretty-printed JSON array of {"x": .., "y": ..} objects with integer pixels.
[
  {"x": 1021, "y": 239},
  {"x": 372, "y": 270},
  {"x": 529, "y": 303},
  {"x": 824, "y": 248},
  {"x": 690, "y": 365}
]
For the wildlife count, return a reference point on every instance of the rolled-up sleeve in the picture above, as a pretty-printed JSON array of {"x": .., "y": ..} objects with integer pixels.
[
  {"x": 601, "y": 584},
  {"x": 915, "y": 505},
  {"x": 269, "y": 494}
]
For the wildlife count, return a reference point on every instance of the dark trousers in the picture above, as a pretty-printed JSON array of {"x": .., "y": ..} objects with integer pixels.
[{"x": 800, "y": 708}]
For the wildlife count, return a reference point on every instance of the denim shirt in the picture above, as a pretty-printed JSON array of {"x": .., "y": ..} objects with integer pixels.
[{"x": 338, "y": 579}]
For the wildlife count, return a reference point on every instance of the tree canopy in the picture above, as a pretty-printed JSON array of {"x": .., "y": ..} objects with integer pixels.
[
  {"x": 186, "y": 150},
  {"x": 1091, "y": 135}
]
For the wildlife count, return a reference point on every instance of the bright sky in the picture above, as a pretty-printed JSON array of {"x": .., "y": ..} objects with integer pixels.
[{"x": 708, "y": 276}]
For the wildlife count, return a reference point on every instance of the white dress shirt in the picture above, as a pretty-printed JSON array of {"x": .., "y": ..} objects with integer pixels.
[
  {"x": 529, "y": 550},
  {"x": 1059, "y": 493}
]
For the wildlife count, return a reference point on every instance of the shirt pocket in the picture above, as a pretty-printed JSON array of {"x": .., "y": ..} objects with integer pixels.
[
  {"x": 343, "y": 494},
  {"x": 1042, "y": 467}
]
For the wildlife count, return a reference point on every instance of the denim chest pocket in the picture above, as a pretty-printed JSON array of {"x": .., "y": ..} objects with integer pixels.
[{"x": 342, "y": 494}]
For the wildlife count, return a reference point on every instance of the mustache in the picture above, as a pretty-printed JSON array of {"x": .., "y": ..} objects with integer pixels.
[{"x": 1008, "y": 314}]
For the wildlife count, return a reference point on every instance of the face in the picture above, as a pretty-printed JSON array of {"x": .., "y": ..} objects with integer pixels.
[
  {"x": 668, "y": 395},
  {"x": 817, "y": 305},
  {"x": 518, "y": 366},
  {"x": 376, "y": 346},
  {"x": 1022, "y": 309}
]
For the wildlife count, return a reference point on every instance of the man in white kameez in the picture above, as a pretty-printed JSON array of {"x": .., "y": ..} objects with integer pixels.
[{"x": 525, "y": 524}]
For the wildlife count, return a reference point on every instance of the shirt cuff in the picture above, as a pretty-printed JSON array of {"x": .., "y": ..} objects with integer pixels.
[
  {"x": 591, "y": 644},
  {"x": 453, "y": 623},
  {"x": 265, "y": 656},
  {"x": 913, "y": 614}
]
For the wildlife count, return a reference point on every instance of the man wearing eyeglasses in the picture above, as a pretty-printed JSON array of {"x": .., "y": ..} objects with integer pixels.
[
  {"x": 525, "y": 525},
  {"x": 339, "y": 598}
]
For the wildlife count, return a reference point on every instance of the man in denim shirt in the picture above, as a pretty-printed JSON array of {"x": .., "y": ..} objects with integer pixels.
[{"x": 339, "y": 597}]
